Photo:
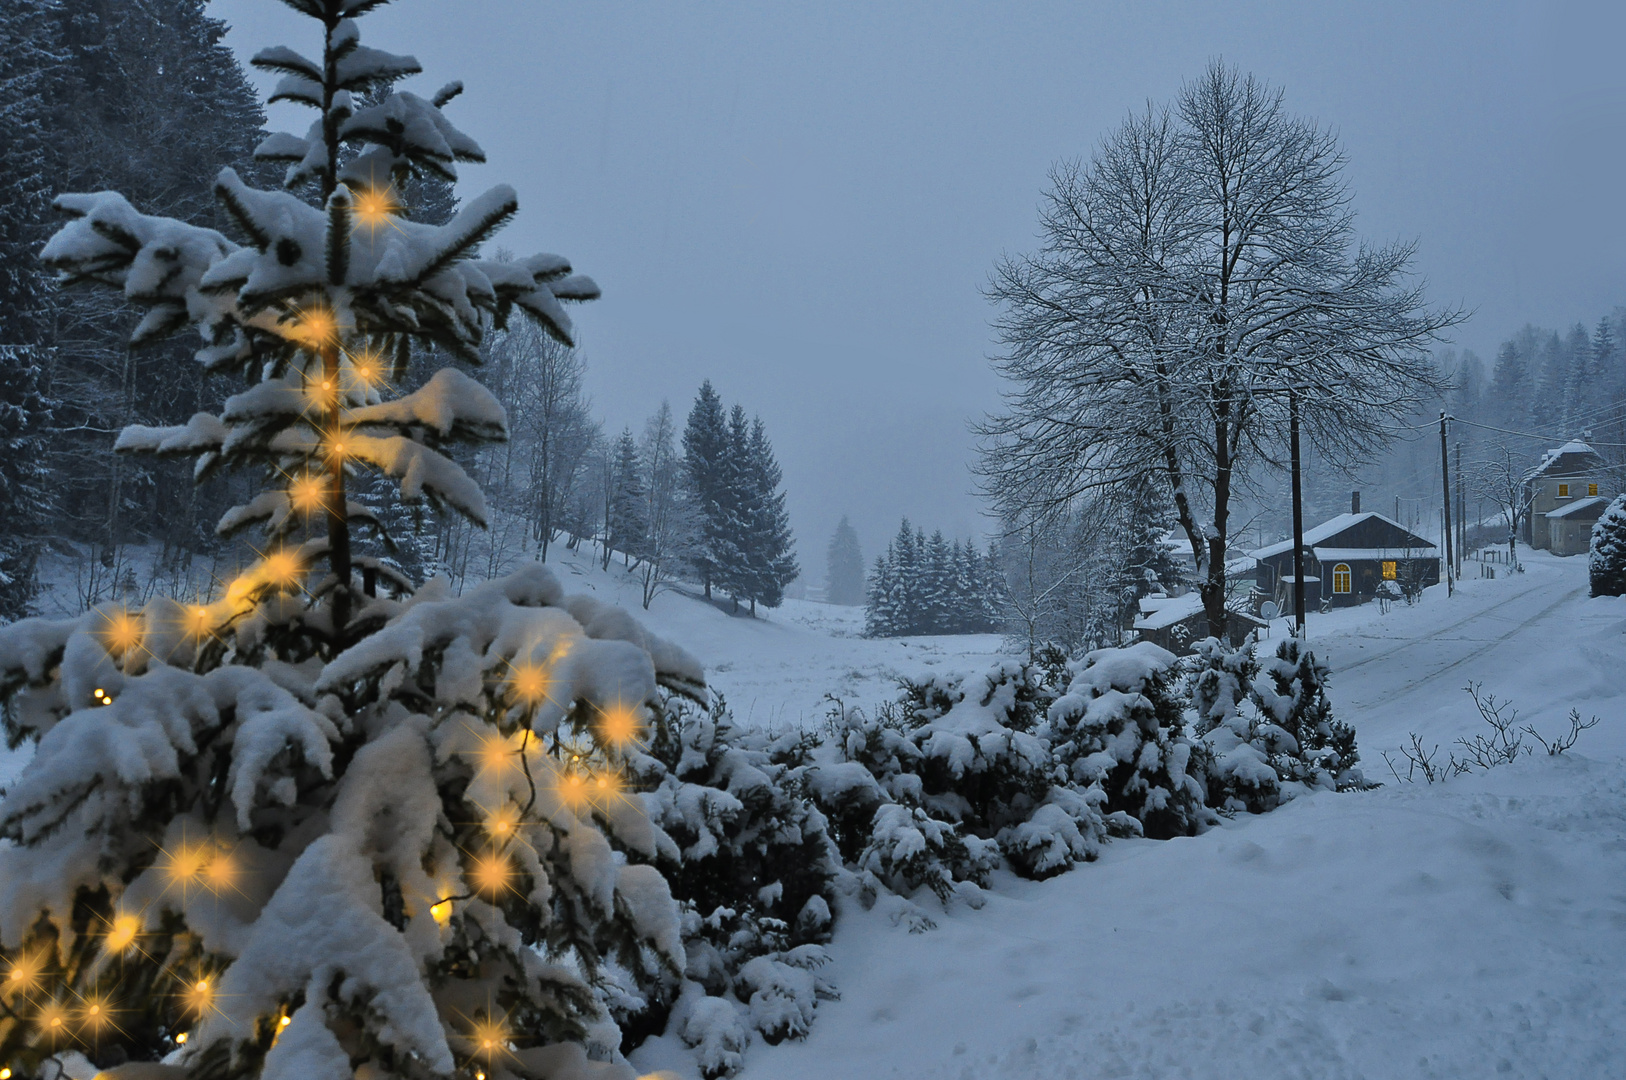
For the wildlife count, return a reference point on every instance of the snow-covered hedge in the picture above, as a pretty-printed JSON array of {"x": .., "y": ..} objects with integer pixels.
[{"x": 1607, "y": 560}]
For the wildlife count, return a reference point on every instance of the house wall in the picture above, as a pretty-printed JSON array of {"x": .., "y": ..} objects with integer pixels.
[
  {"x": 1365, "y": 575},
  {"x": 1545, "y": 497},
  {"x": 1570, "y": 536}
]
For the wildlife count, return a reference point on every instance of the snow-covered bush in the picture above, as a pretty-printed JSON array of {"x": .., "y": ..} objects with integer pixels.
[
  {"x": 909, "y": 850},
  {"x": 1267, "y": 726},
  {"x": 1119, "y": 729},
  {"x": 1291, "y": 690},
  {"x": 1607, "y": 560},
  {"x": 747, "y": 855}
]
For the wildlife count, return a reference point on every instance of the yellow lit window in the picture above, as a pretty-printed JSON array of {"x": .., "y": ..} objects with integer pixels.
[
  {"x": 1340, "y": 578},
  {"x": 1563, "y": 491},
  {"x": 1388, "y": 571},
  {"x": 1592, "y": 489}
]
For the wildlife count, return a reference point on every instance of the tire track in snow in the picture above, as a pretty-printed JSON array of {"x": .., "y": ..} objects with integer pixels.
[
  {"x": 1406, "y": 644},
  {"x": 1483, "y": 646}
]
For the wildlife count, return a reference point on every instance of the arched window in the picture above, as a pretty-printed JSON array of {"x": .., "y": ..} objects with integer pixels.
[{"x": 1340, "y": 578}]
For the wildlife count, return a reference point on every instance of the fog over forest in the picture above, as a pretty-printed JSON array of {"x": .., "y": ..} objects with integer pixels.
[{"x": 803, "y": 204}]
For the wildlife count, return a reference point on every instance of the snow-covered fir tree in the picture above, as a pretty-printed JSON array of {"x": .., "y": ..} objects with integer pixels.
[
  {"x": 25, "y": 303},
  {"x": 705, "y": 454},
  {"x": 628, "y": 526},
  {"x": 315, "y": 824},
  {"x": 844, "y": 566},
  {"x": 929, "y": 586},
  {"x": 1607, "y": 557}
]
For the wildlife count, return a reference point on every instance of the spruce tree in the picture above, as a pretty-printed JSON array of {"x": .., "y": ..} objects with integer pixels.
[
  {"x": 629, "y": 520},
  {"x": 297, "y": 830},
  {"x": 1607, "y": 559},
  {"x": 767, "y": 543},
  {"x": 880, "y": 613},
  {"x": 705, "y": 450},
  {"x": 26, "y": 300},
  {"x": 844, "y": 562}
]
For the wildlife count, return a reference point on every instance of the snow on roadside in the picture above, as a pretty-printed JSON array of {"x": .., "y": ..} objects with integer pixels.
[{"x": 1474, "y": 929}]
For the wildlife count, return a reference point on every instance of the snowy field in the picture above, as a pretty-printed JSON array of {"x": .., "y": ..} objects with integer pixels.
[
  {"x": 1474, "y": 929},
  {"x": 1471, "y": 929}
]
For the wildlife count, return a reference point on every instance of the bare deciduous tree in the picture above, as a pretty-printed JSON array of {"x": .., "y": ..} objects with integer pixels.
[
  {"x": 1499, "y": 479},
  {"x": 1203, "y": 262}
]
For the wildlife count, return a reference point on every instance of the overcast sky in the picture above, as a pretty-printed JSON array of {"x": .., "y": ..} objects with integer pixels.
[{"x": 802, "y": 203}]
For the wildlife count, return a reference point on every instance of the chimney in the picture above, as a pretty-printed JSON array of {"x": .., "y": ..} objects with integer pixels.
[{"x": 1354, "y": 502}]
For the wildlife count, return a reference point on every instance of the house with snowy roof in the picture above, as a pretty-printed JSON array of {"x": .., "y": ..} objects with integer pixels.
[
  {"x": 1566, "y": 493},
  {"x": 1346, "y": 559}
]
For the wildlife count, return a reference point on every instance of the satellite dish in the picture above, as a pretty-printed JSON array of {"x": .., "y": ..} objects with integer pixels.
[{"x": 1269, "y": 610}]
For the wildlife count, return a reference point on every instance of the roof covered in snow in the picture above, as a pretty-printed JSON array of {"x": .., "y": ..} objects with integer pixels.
[
  {"x": 1590, "y": 507},
  {"x": 1336, "y": 526},
  {"x": 1157, "y": 612},
  {"x": 1573, "y": 458}
]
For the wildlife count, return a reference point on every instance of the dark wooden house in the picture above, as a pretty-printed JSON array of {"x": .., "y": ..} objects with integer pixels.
[{"x": 1350, "y": 555}]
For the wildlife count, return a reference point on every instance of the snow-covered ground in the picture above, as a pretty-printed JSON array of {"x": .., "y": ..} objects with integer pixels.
[{"x": 1471, "y": 929}]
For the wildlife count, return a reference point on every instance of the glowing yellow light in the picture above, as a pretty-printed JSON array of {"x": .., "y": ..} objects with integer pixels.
[
  {"x": 285, "y": 1021},
  {"x": 492, "y": 874},
  {"x": 203, "y": 984},
  {"x": 307, "y": 493},
  {"x": 619, "y": 725},
  {"x": 220, "y": 873},
  {"x": 441, "y": 912},
  {"x": 5, "y": 1074},
  {"x": 367, "y": 368},
  {"x": 121, "y": 632},
  {"x": 573, "y": 789},
  {"x": 52, "y": 1018},
  {"x": 25, "y": 972},
  {"x": 123, "y": 933},
  {"x": 199, "y": 621},
  {"x": 503, "y": 823},
  {"x": 335, "y": 449},
  {"x": 185, "y": 864},
  {"x": 95, "y": 1014},
  {"x": 199, "y": 996},
  {"x": 282, "y": 567},
  {"x": 491, "y": 1036},
  {"x": 315, "y": 328},
  {"x": 530, "y": 683},
  {"x": 374, "y": 206},
  {"x": 102, "y": 697},
  {"x": 496, "y": 755},
  {"x": 180, "y": 1040}
]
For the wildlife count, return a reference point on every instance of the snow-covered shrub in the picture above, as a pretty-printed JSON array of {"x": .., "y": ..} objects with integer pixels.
[
  {"x": 909, "y": 850},
  {"x": 1267, "y": 726},
  {"x": 747, "y": 854},
  {"x": 1238, "y": 769},
  {"x": 1119, "y": 728},
  {"x": 1291, "y": 690},
  {"x": 1607, "y": 558}
]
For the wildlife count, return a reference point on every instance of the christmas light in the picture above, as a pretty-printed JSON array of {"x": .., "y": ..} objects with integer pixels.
[
  {"x": 121, "y": 632},
  {"x": 25, "y": 973},
  {"x": 504, "y": 823},
  {"x": 285, "y": 1021},
  {"x": 374, "y": 207},
  {"x": 180, "y": 1040},
  {"x": 220, "y": 873},
  {"x": 367, "y": 368},
  {"x": 572, "y": 789},
  {"x": 315, "y": 328},
  {"x": 619, "y": 725},
  {"x": 441, "y": 912},
  {"x": 530, "y": 683},
  {"x": 123, "y": 933},
  {"x": 199, "y": 621},
  {"x": 185, "y": 864},
  {"x": 490, "y": 1037},
  {"x": 492, "y": 874},
  {"x": 101, "y": 697},
  {"x": 95, "y": 1015},
  {"x": 496, "y": 755},
  {"x": 199, "y": 996},
  {"x": 320, "y": 394},
  {"x": 283, "y": 567}
]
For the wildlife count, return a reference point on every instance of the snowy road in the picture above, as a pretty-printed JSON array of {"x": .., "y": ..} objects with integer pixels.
[{"x": 1476, "y": 929}]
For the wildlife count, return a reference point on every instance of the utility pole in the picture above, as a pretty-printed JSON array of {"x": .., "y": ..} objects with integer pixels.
[
  {"x": 1445, "y": 478},
  {"x": 1462, "y": 514},
  {"x": 1298, "y": 513}
]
